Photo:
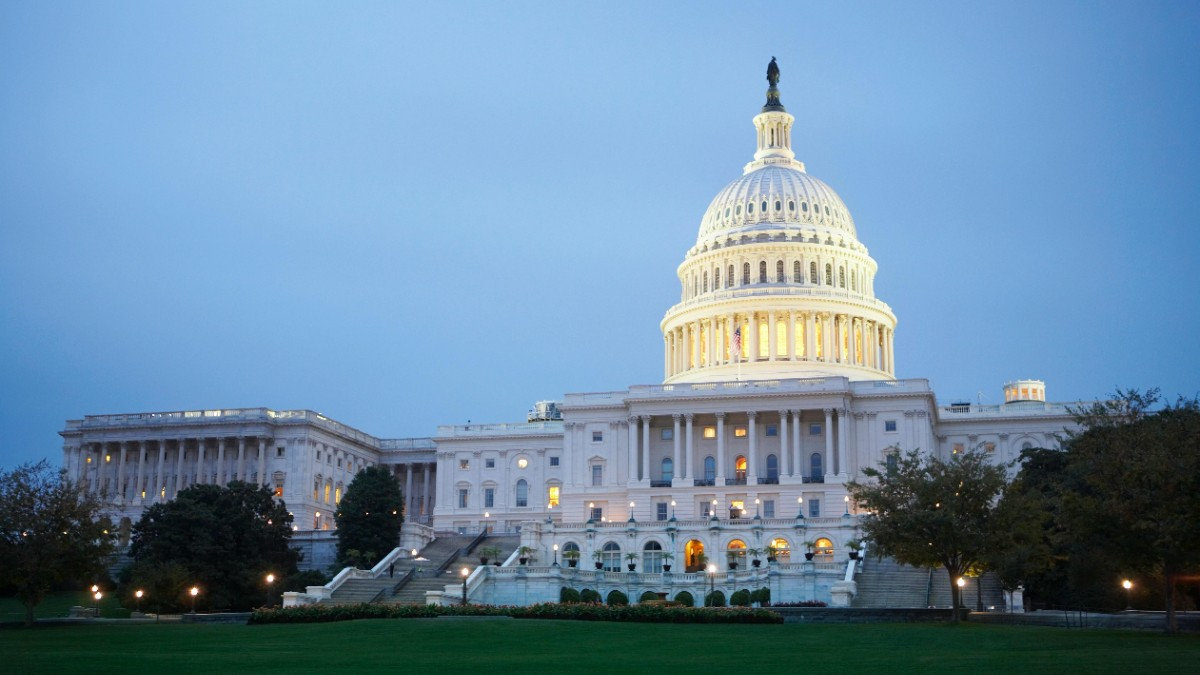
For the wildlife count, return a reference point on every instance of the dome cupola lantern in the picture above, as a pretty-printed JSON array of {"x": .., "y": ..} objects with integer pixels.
[{"x": 777, "y": 284}]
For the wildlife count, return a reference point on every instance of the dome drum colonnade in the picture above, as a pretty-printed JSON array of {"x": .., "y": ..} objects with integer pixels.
[{"x": 780, "y": 238}]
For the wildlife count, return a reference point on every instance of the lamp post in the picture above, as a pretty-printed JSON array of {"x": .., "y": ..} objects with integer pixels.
[
  {"x": 465, "y": 574},
  {"x": 960, "y": 582},
  {"x": 138, "y": 594},
  {"x": 270, "y": 580},
  {"x": 712, "y": 583},
  {"x": 799, "y": 508},
  {"x": 98, "y": 595},
  {"x": 1128, "y": 586},
  {"x": 846, "y": 501},
  {"x": 194, "y": 592},
  {"x": 486, "y": 515},
  {"x": 556, "y": 555},
  {"x": 672, "y": 509}
]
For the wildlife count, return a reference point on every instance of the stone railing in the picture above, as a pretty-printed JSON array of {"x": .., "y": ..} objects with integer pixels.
[
  {"x": 1005, "y": 410},
  {"x": 770, "y": 289},
  {"x": 459, "y": 430}
]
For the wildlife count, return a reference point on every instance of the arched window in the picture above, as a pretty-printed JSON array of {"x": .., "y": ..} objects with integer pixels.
[
  {"x": 812, "y": 272},
  {"x": 337, "y": 494},
  {"x": 716, "y": 278},
  {"x": 779, "y": 276},
  {"x": 824, "y": 549},
  {"x": 668, "y": 469},
  {"x": 783, "y": 550},
  {"x": 814, "y": 464},
  {"x": 854, "y": 281},
  {"x": 762, "y": 271},
  {"x": 522, "y": 493},
  {"x": 611, "y": 557},
  {"x": 797, "y": 275},
  {"x": 568, "y": 547},
  {"x": 739, "y": 469},
  {"x": 772, "y": 468},
  {"x": 745, "y": 273},
  {"x": 828, "y": 274},
  {"x": 729, "y": 278},
  {"x": 706, "y": 282},
  {"x": 841, "y": 277},
  {"x": 710, "y": 468},
  {"x": 328, "y": 490},
  {"x": 652, "y": 557},
  {"x": 736, "y": 551}
]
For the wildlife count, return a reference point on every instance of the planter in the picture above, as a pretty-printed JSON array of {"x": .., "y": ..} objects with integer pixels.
[
  {"x": 497, "y": 563},
  {"x": 572, "y": 563},
  {"x": 599, "y": 566},
  {"x": 632, "y": 568},
  {"x": 854, "y": 555},
  {"x": 483, "y": 561},
  {"x": 733, "y": 566},
  {"x": 756, "y": 563},
  {"x": 809, "y": 556},
  {"x": 770, "y": 560},
  {"x": 522, "y": 560},
  {"x": 666, "y": 567}
]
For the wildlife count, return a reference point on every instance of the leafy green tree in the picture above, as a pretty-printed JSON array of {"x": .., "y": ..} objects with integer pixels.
[
  {"x": 51, "y": 532},
  {"x": 1140, "y": 493},
  {"x": 228, "y": 538},
  {"x": 369, "y": 517},
  {"x": 927, "y": 512},
  {"x": 164, "y": 584}
]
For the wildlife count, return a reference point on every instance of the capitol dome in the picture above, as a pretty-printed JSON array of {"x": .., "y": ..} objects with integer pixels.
[{"x": 777, "y": 284}]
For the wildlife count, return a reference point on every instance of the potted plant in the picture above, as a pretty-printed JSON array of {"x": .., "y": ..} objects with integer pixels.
[
  {"x": 733, "y": 560},
  {"x": 632, "y": 558},
  {"x": 667, "y": 557},
  {"x": 772, "y": 554},
  {"x": 754, "y": 553},
  {"x": 572, "y": 557},
  {"x": 489, "y": 553},
  {"x": 598, "y": 556},
  {"x": 524, "y": 554},
  {"x": 855, "y": 546},
  {"x": 810, "y": 547}
]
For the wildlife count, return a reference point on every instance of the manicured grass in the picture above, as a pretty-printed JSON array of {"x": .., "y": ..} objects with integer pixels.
[
  {"x": 58, "y": 605},
  {"x": 503, "y": 646}
]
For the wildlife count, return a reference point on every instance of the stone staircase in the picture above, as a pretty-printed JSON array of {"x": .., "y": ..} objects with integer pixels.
[
  {"x": 429, "y": 579},
  {"x": 886, "y": 583},
  {"x": 383, "y": 588}
]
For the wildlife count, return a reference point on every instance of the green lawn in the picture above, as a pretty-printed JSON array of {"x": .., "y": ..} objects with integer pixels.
[
  {"x": 504, "y": 646},
  {"x": 58, "y": 604}
]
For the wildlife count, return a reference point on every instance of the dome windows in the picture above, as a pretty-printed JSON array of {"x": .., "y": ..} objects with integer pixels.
[
  {"x": 791, "y": 205},
  {"x": 804, "y": 206},
  {"x": 764, "y": 206},
  {"x": 750, "y": 209},
  {"x": 778, "y": 205},
  {"x": 738, "y": 210}
]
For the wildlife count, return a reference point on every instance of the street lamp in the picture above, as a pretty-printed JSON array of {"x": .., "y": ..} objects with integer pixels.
[
  {"x": 556, "y": 555},
  {"x": 138, "y": 594},
  {"x": 846, "y": 501},
  {"x": 465, "y": 574},
  {"x": 194, "y": 592},
  {"x": 1128, "y": 586},
  {"x": 486, "y": 515},
  {"x": 960, "y": 582},
  {"x": 270, "y": 580},
  {"x": 799, "y": 508},
  {"x": 672, "y": 509},
  {"x": 631, "y": 512},
  {"x": 97, "y": 596},
  {"x": 712, "y": 583}
]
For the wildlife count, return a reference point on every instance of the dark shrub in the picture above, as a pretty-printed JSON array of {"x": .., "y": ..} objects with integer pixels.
[
  {"x": 568, "y": 595},
  {"x": 616, "y": 598},
  {"x": 715, "y": 599},
  {"x": 648, "y": 595},
  {"x": 684, "y": 598},
  {"x": 588, "y": 595},
  {"x": 762, "y": 596},
  {"x": 740, "y": 598}
]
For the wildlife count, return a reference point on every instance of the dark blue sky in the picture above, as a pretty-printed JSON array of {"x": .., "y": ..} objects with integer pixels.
[{"x": 402, "y": 215}]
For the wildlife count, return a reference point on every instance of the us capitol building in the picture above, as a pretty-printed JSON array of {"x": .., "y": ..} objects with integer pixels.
[{"x": 778, "y": 388}]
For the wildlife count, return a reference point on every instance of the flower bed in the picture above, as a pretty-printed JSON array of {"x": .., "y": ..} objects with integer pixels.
[{"x": 645, "y": 613}]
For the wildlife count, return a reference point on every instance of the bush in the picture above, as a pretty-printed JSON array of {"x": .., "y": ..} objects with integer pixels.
[
  {"x": 715, "y": 599},
  {"x": 588, "y": 595},
  {"x": 740, "y": 598},
  {"x": 684, "y": 598},
  {"x": 568, "y": 595},
  {"x": 762, "y": 596},
  {"x": 617, "y": 598},
  {"x": 647, "y": 596},
  {"x": 805, "y": 603}
]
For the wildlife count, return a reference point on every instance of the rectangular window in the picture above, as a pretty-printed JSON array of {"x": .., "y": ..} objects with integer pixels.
[
  {"x": 597, "y": 436},
  {"x": 489, "y": 463},
  {"x": 660, "y": 511},
  {"x": 814, "y": 508},
  {"x": 552, "y": 496},
  {"x": 958, "y": 448},
  {"x": 889, "y": 425},
  {"x": 710, "y": 432},
  {"x": 739, "y": 432},
  {"x": 597, "y": 475},
  {"x": 705, "y": 509},
  {"x": 463, "y": 493},
  {"x": 318, "y": 456},
  {"x": 814, "y": 430},
  {"x": 772, "y": 431},
  {"x": 768, "y": 508},
  {"x": 489, "y": 497},
  {"x": 989, "y": 447},
  {"x": 339, "y": 462},
  {"x": 553, "y": 461},
  {"x": 464, "y": 463},
  {"x": 597, "y": 513},
  {"x": 279, "y": 452},
  {"x": 667, "y": 434}
]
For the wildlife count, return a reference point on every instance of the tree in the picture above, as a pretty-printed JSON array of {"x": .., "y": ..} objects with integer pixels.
[
  {"x": 227, "y": 538},
  {"x": 1140, "y": 494},
  {"x": 369, "y": 517},
  {"x": 927, "y": 512},
  {"x": 50, "y": 532}
]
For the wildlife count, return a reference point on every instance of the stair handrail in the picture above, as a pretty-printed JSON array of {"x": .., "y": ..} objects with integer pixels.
[
  {"x": 385, "y": 562},
  {"x": 466, "y": 550},
  {"x": 394, "y": 588}
]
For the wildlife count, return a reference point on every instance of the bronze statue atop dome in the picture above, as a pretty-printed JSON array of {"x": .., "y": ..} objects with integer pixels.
[
  {"x": 773, "y": 102},
  {"x": 773, "y": 73}
]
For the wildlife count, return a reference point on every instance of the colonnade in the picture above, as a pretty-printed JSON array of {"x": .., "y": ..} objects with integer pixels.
[
  {"x": 688, "y": 457},
  {"x": 779, "y": 336},
  {"x": 418, "y": 502},
  {"x": 132, "y": 471}
]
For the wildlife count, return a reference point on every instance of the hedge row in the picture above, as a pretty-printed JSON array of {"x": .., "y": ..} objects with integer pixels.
[{"x": 647, "y": 613}]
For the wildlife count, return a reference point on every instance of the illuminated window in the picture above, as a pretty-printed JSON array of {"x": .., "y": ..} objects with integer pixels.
[
  {"x": 464, "y": 463},
  {"x": 736, "y": 549},
  {"x": 783, "y": 550},
  {"x": 958, "y": 448},
  {"x": 781, "y": 345},
  {"x": 989, "y": 447},
  {"x": 798, "y": 332},
  {"x": 89, "y": 460},
  {"x": 107, "y": 458},
  {"x": 522, "y": 493},
  {"x": 337, "y": 495},
  {"x": 522, "y": 463},
  {"x": 739, "y": 432},
  {"x": 328, "y": 490},
  {"x": 739, "y": 468},
  {"x": 552, "y": 495},
  {"x": 824, "y": 549},
  {"x": 710, "y": 432}
]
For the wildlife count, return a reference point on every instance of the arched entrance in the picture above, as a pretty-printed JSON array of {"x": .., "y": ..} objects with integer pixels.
[{"x": 693, "y": 556}]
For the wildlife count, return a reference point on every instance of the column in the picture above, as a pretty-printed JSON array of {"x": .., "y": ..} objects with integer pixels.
[
  {"x": 141, "y": 472},
  {"x": 712, "y": 341},
  {"x": 828, "y": 444},
  {"x": 784, "y": 450},
  {"x": 643, "y": 455},
  {"x": 102, "y": 470},
  {"x": 221, "y": 477},
  {"x": 631, "y": 458},
  {"x": 797, "y": 464},
  {"x": 241, "y": 460},
  {"x": 179, "y": 448},
  {"x": 262, "y": 461},
  {"x": 121, "y": 473},
  {"x": 201, "y": 452},
  {"x": 841, "y": 445},
  {"x": 690, "y": 473},
  {"x": 752, "y": 329},
  {"x": 425, "y": 502},
  {"x": 720, "y": 448},
  {"x": 694, "y": 345},
  {"x": 408, "y": 483},
  {"x": 730, "y": 327},
  {"x": 158, "y": 482},
  {"x": 675, "y": 476},
  {"x": 752, "y": 460},
  {"x": 666, "y": 356},
  {"x": 891, "y": 354},
  {"x": 790, "y": 336},
  {"x": 810, "y": 337},
  {"x": 772, "y": 346}
]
